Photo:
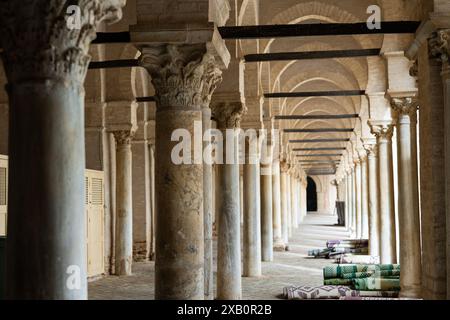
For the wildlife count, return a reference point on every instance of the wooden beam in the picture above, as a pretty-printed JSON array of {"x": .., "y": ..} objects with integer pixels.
[
  {"x": 339, "y": 93},
  {"x": 112, "y": 37},
  {"x": 126, "y": 63},
  {"x": 146, "y": 99},
  {"x": 321, "y": 130},
  {"x": 316, "y": 29},
  {"x": 318, "y": 117},
  {"x": 318, "y": 140},
  {"x": 309, "y": 55}
]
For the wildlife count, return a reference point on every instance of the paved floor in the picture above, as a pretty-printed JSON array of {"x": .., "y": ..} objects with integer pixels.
[{"x": 288, "y": 268}]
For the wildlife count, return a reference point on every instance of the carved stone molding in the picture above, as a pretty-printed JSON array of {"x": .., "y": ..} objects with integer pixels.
[
  {"x": 123, "y": 137},
  {"x": 228, "y": 114},
  {"x": 414, "y": 69},
  {"x": 439, "y": 45},
  {"x": 382, "y": 129},
  {"x": 38, "y": 42},
  {"x": 184, "y": 76},
  {"x": 405, "y": 106},
  {"x": 371, "y": 149}
]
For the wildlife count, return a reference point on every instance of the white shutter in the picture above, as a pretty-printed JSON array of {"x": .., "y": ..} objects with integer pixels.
[{"x": 95, "y": 222}]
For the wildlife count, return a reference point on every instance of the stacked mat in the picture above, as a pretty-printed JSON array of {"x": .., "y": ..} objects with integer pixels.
[
  {"x": 364, "y": 277},
  {"x": 336, "y": 248},
  {"x": 331, "y": 292}
]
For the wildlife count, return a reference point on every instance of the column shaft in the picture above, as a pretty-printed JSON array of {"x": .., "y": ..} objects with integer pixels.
[
  {"x": 284, "y": 207},
  {"x": 279, "y": 244},
  {"x": 358, "y": 198},
  {"x": 374, "y": 213},
  {"x": 124, "y": 205},
  {"x": 365, "y": 220},
  {"x": 266, "y": 213}
]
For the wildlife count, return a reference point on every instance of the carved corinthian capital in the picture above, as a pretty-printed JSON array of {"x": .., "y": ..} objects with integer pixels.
[
  {"x": 184, "y": 76},
  {"x": 405, "y": 106},
  {"x": 439, "y": 45},
  {"x": 228, "y": 114},
  {"x": 123, "y": 137},
  {"x": 39, "y": 43},
  {"x": 383, "y": 129}
]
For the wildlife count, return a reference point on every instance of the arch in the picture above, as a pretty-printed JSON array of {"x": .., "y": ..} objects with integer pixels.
[{"x": 311, "y": 193}]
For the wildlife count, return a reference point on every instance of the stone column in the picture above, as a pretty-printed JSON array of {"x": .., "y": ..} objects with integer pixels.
[
  {"x": 284, "y": 167},
  {"x": 294, "y": 202},
  {"x": 374, "y": 193},
  {"x": 440, "y": 48},
  {"x": 208, "y": 208},
  {"x": 348, "y": 205},
  {"x": 252, "y": 212},
  {"x": 278, "y": 239},
  {"x": 289, "y": 204},
  {"x": 266, "y": 209},
  {"x": 228, "y": 116},
  {"x": 383, "y": 130},
  {"x": 353, "y": 202},
  {"x": 364, "y": 199},
  {"x": 183, "y": 77},
  {"x": 124, "y": 203},
  {"x": 45, "y": 64},
  {"x": 405, "y": 109},
  {"x": 358, "y": 197}
]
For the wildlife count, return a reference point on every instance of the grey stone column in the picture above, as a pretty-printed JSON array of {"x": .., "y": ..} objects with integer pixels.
[
  {"x": 228, "y": 116},
  {"x": 358, "y": 197},
  {"x": 440, "y": 48},
  {"x": 374, "y": 194},
  {"x": 278, "y": 240},
  {"x": 45, "y": 64},
  {"x": 383, "y": 130},
  {"x": 252, "y": 211},
  {"x": 266, "y": 210},
  {"x": 289, "y": 204},
  {"x": 409, "y": 219},
  {"x": 284, "y": 167},
  {"x": 208, "y": 209},
  {"x": 364, "y": 199},
  {"x": 179, "y": 264},
  {"x": 124, "y": 204}
]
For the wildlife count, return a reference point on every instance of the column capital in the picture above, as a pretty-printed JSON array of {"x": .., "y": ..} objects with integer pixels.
[
  {"x": 27, "y": 53},
  {"x": 228, "y": 114},
  {"x": 382, "y": 128},
  {"x": 371, "y": 149},
  {"x": 184, "y": 76},
  {"x": 405, "y": 106},
  {"x": 284, "y": 166},
  {"x": 439, "y": 45},
  {"x": 124, "y": 137}
]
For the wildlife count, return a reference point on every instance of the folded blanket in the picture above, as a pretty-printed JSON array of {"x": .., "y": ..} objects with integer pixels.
[
  {"x": 376, "y": 283},
  {"x": 357, "y": 259},
  {"x": 336, "y": 271},
  {"x": 330, "y": 292}
]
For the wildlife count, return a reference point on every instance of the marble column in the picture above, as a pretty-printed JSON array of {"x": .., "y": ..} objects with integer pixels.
[
  {"x": 266, "y": 211},
  {"x": 364, "y": 199},
  {"x": 278, "y": 240},
  {"x": 208, "y": 208},
  {"x": 358, "y": 197},
  {"x": 405, "y": 109},
  {"x": 374, "y": 194},
  {"x": 294, "y": 202},
  {"x": 228, "y": 115},
  {"x": 289, "y": 204},
  {"x": 124, "y": 203},
  {"x": 383, "y": 130},
  {"x": 284, "y": 168},
  {"x": 179, "y": 264},
  {"x": 45, "y": 65},
  {"x": 348, "y": 204},
  {"x": 252, "y": 212},
  {"x": 353, "y": 200}
]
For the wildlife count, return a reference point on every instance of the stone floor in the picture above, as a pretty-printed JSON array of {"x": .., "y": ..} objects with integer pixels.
[{"x": 288, "y": 268}]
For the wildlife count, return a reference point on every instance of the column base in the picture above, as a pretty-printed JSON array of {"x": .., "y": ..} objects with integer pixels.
[
  {"x": 280, "y": 247},
  {"x": 413, "y": 292}
]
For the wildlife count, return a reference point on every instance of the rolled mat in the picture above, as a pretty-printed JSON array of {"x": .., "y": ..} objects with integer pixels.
[
  {"x": 329, "y": 292},
  {"x": 376, "y": 284},
  {"x": 371, "y": 273},
  {"x": 351, "y": 243},
  {"x": 357, "y": 259},
  {"x": 336, "y": 271},
  {"x": 338, "y": 282}
]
